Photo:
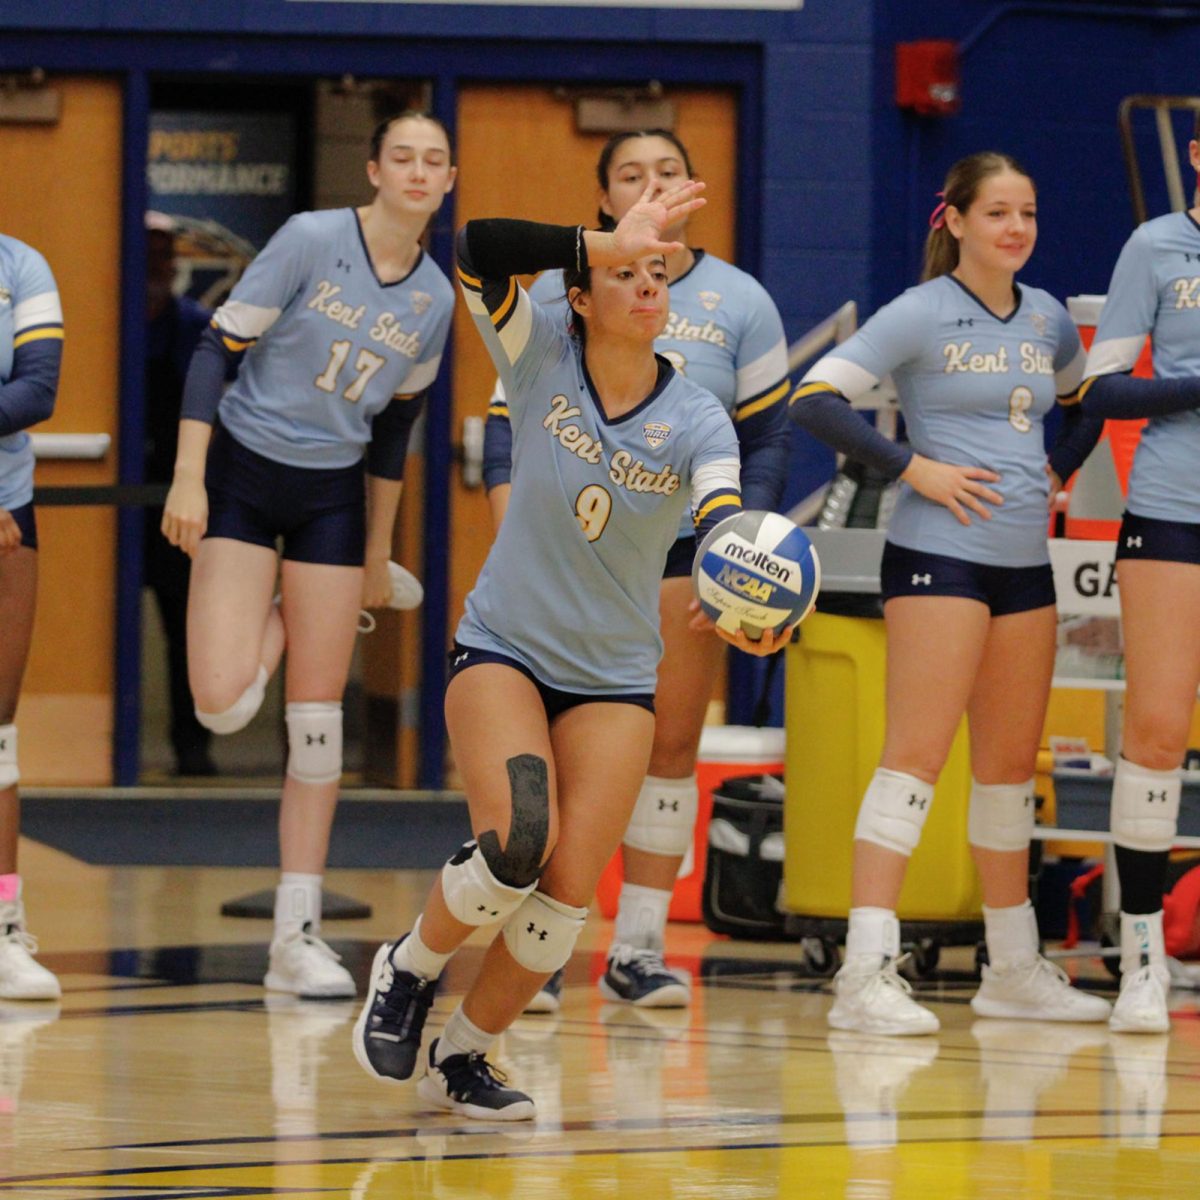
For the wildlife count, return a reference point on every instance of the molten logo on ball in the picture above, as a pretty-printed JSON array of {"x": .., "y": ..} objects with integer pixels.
[{"x": 756, "y": 571}]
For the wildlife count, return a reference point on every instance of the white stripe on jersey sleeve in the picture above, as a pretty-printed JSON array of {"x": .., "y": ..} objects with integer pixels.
[
  {"x": 849, "y": 378},
  {"x": 1069, "y": 378},
  {"x": 421, "y": 376},
  {"x": 714, "y": 476},
  {"x": 1114, "y": 354},
  {"x": 242, "y": 320},
  {"x": 514, "y": 337},
  {"x": 763, "y": 372},
  {"x": 45, "y": 309}
]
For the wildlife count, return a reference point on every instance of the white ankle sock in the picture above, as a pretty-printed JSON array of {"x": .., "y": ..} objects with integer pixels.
[
  {"x": 872, "y": 933},
  {"x": 461, "y": 1036},
  {"x": 413, "y": 956},
  {"x": 1011, "y": 934},
  {"x": 642, "y": 917},
  {"x": 298, "y": 902}
]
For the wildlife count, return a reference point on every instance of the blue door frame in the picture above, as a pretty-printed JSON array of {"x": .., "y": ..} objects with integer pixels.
[{"x": 449, "y": 65}]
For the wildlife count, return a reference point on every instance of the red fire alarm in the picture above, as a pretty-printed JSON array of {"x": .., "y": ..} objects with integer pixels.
[{"x": 927, "y": 78}]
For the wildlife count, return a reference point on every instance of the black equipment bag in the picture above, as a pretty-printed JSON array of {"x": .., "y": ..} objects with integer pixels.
[{"x": 744, "y": 867}]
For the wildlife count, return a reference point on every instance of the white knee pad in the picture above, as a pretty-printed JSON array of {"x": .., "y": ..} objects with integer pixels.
[
  {"x": 9, "y": 775},
  {"x": 242, "y": 711},
  {"x": 541, "y": 934},
  {"x": 664, "y": 816},
  {"x": 314, "y": 741},
  {"x": 1000, "y": 815},
  {"x": 473, "y": 894},
  {"x": 893, "y": 811},
  {"x": 1145, "y": 807}
]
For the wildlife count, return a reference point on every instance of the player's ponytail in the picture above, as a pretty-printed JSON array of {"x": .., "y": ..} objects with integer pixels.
[{"x": 961, "y": 188}]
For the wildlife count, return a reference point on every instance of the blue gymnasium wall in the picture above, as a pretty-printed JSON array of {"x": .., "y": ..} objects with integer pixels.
[{"x": 1041, "y": 81}]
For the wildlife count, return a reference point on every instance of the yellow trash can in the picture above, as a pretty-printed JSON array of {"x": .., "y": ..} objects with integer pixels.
[{"x": 835, "y": 722}]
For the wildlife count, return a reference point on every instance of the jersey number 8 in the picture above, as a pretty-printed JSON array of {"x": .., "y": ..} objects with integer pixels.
[{"x": 1019, "y": 404}]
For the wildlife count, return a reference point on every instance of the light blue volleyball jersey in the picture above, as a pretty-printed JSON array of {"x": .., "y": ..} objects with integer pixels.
[
  {"x": 723, "y": 333},
  {"x": 1155, "y": 290},
  {"x": 974, "y": 389},
  {"x": 328, "y": 345},
  {"x": 570, "y": 587},
  {"x": 30, "y": 310}
]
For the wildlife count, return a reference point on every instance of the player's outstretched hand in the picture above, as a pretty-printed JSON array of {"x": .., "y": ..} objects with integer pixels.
[
  {"x": 958, "y": 488},
  {"x": 185, "y": 514},
  {"x": 768, "y": 644},
  {"x": 640, "y": 230},
  {"x": 10, "y": 533}
]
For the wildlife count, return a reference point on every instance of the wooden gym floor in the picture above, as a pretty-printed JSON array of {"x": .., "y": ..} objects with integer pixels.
[{"x": 167, "y": 1073}]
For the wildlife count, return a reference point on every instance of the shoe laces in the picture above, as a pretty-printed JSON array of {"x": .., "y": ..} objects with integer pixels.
[
  {"x": 643, "y": 964},
  {"x": 17, "y": 935},
  {"x": 402, "y": 1004},
  {"x": 468, "y": 1074},
  {"x": 887, "y": 982},
  {"x": 305, "y": 936},
  {"x": 1045, "y": 975}
]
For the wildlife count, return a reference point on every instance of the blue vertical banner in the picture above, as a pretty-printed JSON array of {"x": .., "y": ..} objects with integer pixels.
[{"x": 228, "y": 181}]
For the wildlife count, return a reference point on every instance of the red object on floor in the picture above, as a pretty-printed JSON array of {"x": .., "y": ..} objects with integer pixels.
[
  {"x": 725, "y": 751},
  {"x": 1181, "y": 917}
]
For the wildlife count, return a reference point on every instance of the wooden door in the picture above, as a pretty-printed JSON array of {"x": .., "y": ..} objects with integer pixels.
[
  {"x": 60, "y": 191},
  {"x": 521, "y": 156}
]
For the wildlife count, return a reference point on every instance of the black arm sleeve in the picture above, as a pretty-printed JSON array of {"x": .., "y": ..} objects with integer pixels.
[
  {"x": 1077, "y": 438},
  {"x": 497, "y": 248},
  {"x": 390, "y": 430},
  {"x": 497, "y": 451},
  {"x": 1125, "y": 397},
  {"x": 764, "y": 463},
  {"x": 829, "y": 417},
  {"x": 206, "y": 377},
  {"x": 28, "y": 396}
]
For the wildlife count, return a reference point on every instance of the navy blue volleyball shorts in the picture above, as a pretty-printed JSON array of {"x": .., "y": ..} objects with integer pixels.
[
  {"x": 27, "y": 524},
  {"x": 1163, "y": 541},
  {"x": 320, "y": 513},
  {"x": 1004, "y": 590},
  {"x": 555, "y": 700}
]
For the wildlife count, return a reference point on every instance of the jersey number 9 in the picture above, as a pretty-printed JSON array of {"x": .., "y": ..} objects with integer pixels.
[{"x": 592, "y": 508}]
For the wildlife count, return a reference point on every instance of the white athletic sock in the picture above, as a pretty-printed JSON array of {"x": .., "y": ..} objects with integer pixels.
[
  {"x": 872, "y": 934},
  {"x": 462, "y": 1037},
  {"x": 1142, "y": 936},
  {"x": 413, "y": 956},
  {"x": 297, "y": 902},
  {"x": 642, "y": 917},
  {"x": 1011, "y": 935}
]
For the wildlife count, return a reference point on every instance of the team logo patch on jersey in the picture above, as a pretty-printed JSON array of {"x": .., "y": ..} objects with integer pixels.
[
  {"x": 1038, "y": 321},
  {"x": 421, "y": 302},
  {"x": 655, "y": 433},
  {"x": 710, "y": 300}
]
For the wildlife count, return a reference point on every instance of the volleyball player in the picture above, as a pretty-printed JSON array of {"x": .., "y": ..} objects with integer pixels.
[
  {"x": 31, "y": 341},
  {"x": 724, "y": 333},
  {"x": 968, "y": 592},
  {"x": 550, "y": 704},
  {"x": 338, "y": 328},
  {"x": 1155, "y": 291}
]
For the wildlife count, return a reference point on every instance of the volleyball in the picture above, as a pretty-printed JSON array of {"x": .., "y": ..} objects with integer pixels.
[{"x": 756, "y": 571}]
